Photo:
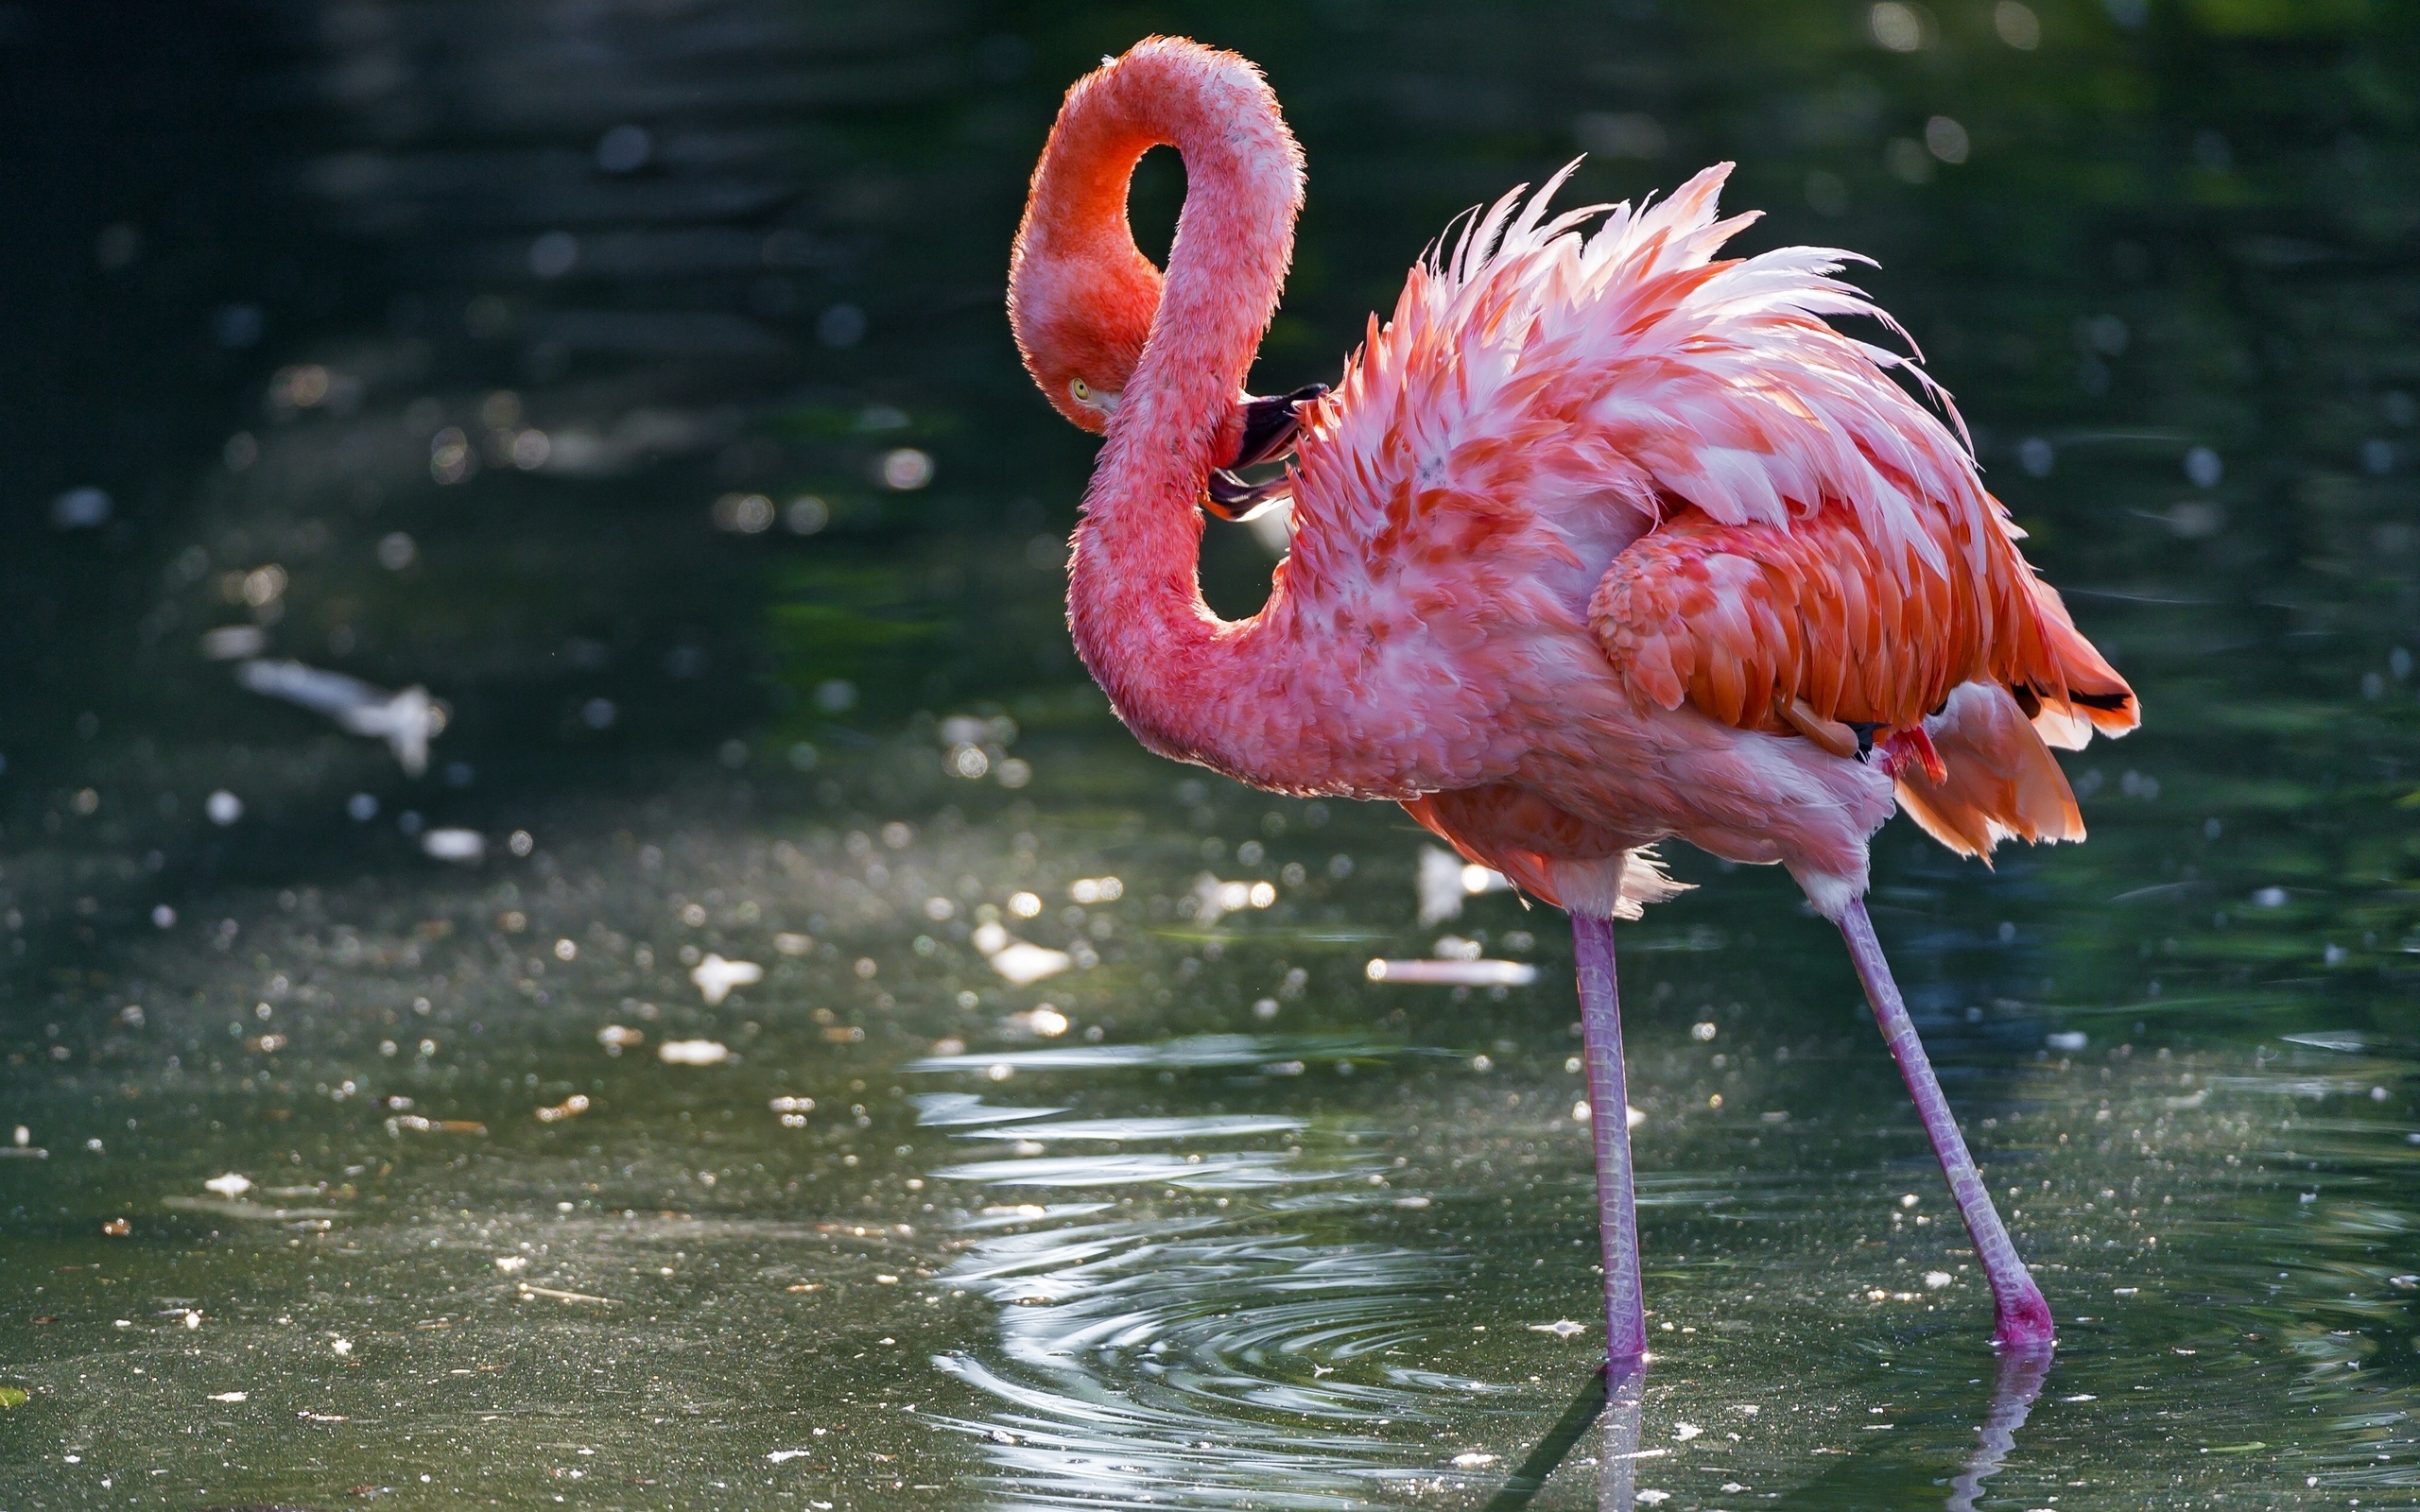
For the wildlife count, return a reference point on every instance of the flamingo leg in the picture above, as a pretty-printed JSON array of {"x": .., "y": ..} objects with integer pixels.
[
  {"x": 1600, "y": 1022},
  {"x": 2023, "y": 1318}
]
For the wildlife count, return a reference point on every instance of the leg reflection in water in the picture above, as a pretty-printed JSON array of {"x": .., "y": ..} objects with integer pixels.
[
  {"x": 1620, "y": 1401},
  {"x": 2022, "y": 1373},
  {"x": 1618, "y": 1462}
]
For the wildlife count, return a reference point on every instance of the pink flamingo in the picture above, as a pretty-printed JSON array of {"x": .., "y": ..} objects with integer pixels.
[{"x": 1599, "y": 540}]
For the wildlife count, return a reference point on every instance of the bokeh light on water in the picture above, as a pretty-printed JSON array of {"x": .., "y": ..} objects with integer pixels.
[{"x": 574, "y": 930}]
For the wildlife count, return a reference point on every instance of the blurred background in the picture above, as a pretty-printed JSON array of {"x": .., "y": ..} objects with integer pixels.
[
  {"x": 634, "y": 377},
  {"x": 493, "y": 472}
]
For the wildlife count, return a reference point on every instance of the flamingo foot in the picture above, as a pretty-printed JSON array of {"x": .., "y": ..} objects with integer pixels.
[
  {"x": 1600, "y": 1019},
  {"x": 2023, "y": 1319}
]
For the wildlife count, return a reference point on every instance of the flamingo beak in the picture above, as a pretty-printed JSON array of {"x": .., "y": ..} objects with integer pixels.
[{"x": 1270, "y": 428}]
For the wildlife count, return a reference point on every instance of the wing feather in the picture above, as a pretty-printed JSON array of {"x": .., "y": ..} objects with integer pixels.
[{"x": 1745, "y": 502}]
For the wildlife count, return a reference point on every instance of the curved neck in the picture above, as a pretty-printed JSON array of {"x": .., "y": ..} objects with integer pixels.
[{"x": 1171, "y": 667}]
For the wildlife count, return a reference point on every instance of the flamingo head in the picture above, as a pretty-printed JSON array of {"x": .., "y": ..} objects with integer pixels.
[{"x": 1079, "y": 323}]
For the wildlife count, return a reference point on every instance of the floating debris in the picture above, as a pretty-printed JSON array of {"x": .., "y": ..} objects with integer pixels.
[
  {"x": 233, "y": 643},
  {"x": 119, "y": 1227},
  {"x": 693, "y": 1052},
  {"x": 1472, "y": 1461},
  {"x": 783, "y": 1456},
  {"x": 1561, "y": 1328},
  {"x": 1024, "y": 964},
  {"x": 1045, "y": 1022},
  {"x": 249, "y": 1211},
  {"x": 715, "y": 977},
  {"x": 230, "y": 1396},
  {"x": 525, "y": 1291},
  {"x": 231, "y": 1185},
  {"x": 413, "y": 1123},
  {"x": 466, "y": 848},
  {"x": 1213, "y": 900},
  {"x": 406, "y": 721},
  {"x": 571, "y": 1107},
  {"x": 616, "y": 1039},
  {"x": 508, "y": 1264},
  {"x": 2066, "y": 1040},
  {"x": 1446, "y": 880},
  {"x": 1454, "y": 973},
  {"x": 2346, "y": 1041}
]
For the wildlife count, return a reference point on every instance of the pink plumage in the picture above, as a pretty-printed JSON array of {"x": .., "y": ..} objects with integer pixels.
[{"x": 1601, "y": 538}]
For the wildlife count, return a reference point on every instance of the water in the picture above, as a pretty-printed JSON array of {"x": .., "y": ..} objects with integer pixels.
[{"x": 630, "y": 377}]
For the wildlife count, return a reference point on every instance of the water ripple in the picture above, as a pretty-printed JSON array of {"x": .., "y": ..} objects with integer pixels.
[
  {"x": 1190, "y": 1361},
  {"x": 1226, "y": 1171},
  {"x": 1210, "y": 1125},
  {"x": 1195, "y": 1052}
]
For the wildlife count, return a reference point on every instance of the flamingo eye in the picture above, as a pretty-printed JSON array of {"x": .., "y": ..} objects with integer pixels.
[{"x": 1082, "y": 390}]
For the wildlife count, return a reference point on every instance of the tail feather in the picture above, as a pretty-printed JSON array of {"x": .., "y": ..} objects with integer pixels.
[
  {"x": 2078, "y": 693},
  {"x": 1999, "y": 781}
]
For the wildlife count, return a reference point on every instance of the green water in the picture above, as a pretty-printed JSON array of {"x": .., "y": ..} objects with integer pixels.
[{"x": 1206, "y": 1217}]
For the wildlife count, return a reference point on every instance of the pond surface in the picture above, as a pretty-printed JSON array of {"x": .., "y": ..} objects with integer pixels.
[{"x": 788, "y": 1048}]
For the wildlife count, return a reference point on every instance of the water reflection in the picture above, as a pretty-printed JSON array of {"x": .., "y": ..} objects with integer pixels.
[{"x": 2021, "y": 1375}]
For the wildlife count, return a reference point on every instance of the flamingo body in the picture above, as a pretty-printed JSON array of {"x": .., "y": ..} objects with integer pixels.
[
  {"x": 1591, "y": 527},
  {"x": 1602, "y": 538}
]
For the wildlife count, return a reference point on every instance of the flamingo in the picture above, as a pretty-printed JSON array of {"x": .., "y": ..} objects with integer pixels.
[{"x": 1601, "y": 540}]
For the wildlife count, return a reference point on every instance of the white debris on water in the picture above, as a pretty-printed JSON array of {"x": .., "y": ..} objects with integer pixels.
[
  {"x": 616, "y": 1039},
  {"x": 231, "y": 1185},
  {"x": 1212, "y": 900},
  {"x": 1561, "y": 1328},
  {"x": 1453, "y": 973},
  {"x": 1045, "y": 1021},
  {"x": 406, "y": 721},
  {"x": 693, "y": 1053},
  {"x": 1472, "y": 1461},
  {"x": 2068, "y": 1041},
  {"x": 1446, "y": 880},
  {"x": 1936, "y": 1280},
  {"x": 1024, "y": 964},
  {"x": 230, "y": 1396},
  {"x": 466, "y": 848},
  {"x": 233, "y": 643},
  {"x": 1581, "y": 1113},
  {"x": 715, "y": 977}
]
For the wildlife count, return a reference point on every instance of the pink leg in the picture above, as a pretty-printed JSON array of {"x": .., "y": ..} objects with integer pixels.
[
  {"x": 1600, "y": 1023},
  {"x": 2024, "y": 1317}
]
